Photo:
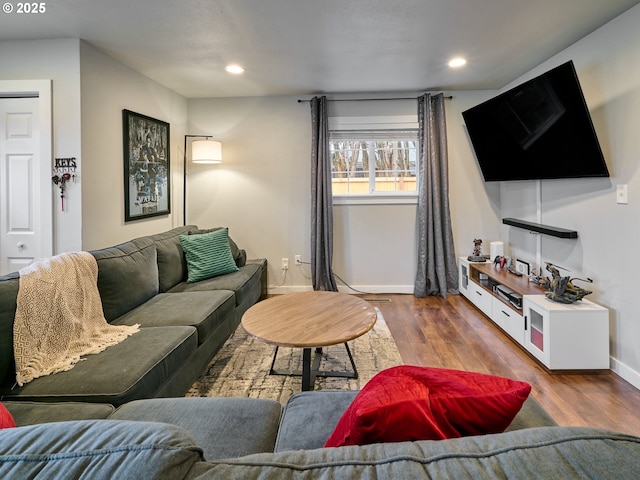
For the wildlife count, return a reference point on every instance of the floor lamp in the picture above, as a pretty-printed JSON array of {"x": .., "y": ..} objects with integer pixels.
[{"x": 202, "y": 151}]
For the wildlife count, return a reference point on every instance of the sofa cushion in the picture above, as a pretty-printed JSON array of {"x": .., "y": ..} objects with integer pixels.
[
  {"x": 309, "y": 418},
  {"x": 223, "y": 427},
  {"x": 208, "y": 255},
  {"x": 172, "y": 266},
  {"x": 203, "y": 310},
  {"x": 543, "y": 453},
  {"x": 531, "y": 415},
  {"x": 32, "y": 413},
  {"x": 130, "y": 264},
  {"x": 9, "y": 285},
  {"x": 97, "y": 449},
  {"x": 418, "y": 403},
  {"x": 135, "y": 368},
  {"x": 245, "y": 283},
  {"x": 6, "y": 419}
]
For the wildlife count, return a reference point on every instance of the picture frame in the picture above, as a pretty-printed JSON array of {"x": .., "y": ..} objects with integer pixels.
[{"x": 146, "y": 166}]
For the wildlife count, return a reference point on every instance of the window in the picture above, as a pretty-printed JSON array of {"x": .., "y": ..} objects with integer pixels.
[{"x": 374, "y": 163}]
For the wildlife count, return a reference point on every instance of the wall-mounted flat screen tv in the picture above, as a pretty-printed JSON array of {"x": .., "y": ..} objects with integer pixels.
[{"x": 540, "y": 129}]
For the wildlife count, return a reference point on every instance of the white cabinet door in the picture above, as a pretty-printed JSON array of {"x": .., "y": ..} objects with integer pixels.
[
  {"x": 536, "y": 333},
  {"x": 463, "y": 276},
  {"x": 567, "y": 337}
]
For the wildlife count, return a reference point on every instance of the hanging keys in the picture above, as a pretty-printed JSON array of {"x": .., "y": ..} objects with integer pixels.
[{"x": 60, "y": 181}]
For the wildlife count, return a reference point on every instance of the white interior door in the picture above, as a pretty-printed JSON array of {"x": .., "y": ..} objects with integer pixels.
[{"x": 25, "y": 179}]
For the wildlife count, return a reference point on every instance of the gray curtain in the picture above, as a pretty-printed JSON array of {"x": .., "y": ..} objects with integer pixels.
[
  {"x": 321, "y": 201},
  {"x": 437, "y": 270}
]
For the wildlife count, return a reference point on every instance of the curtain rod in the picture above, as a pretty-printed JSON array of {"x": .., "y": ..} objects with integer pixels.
[{"x": 369, "y": 99}]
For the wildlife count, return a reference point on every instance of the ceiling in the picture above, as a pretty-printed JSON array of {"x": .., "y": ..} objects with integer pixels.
[{"x": 298, "y": 47}]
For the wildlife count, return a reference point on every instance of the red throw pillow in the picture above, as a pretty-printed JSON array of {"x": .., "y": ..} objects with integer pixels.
[
  {"x": 416, "y": 403},
  {"x": 6, "y": 420}
]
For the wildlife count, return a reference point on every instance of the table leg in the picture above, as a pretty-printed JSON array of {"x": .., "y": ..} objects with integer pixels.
[
  {"x": 306, "y": 370},
  {"x": 272, "y": 371},
  {"x": 311, "y": 370},
  {"x": 353, "y": 364}
]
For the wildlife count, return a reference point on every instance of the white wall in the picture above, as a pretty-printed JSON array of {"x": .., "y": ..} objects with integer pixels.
[
  {"x": 608, "y": 234},
  {"x": 108, "y": 87},
  {"x": 475, "y": 205},
  {"x": 261, "y": 192},
  {"x": 260, "y": 189},
  {"x": 374, "y": 244},
  {"x": 59, "y": 61}
]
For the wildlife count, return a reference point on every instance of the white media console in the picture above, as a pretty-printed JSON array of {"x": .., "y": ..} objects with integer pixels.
[{"x": 563, "y": 337}]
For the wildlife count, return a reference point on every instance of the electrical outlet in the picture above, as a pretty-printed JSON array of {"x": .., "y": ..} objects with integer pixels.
[
  {"x": 298, "y": 259},
  {"x": 285, "y": 264},
  {"x": 621, "y": 194}
]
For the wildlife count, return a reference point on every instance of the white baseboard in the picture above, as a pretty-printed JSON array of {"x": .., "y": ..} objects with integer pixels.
[
  {"x": 357, "y": 289},
  {"x": 626, "y": 372},
  {"x": 280, "y": 290},
  {"x": 376, "y": 289}
]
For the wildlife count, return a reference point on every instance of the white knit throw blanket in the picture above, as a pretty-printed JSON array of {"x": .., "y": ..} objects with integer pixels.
[{"x": 59, "y": 316}]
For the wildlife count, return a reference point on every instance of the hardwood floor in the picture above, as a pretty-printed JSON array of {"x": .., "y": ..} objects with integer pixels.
[{"x": 452, "y": 333}]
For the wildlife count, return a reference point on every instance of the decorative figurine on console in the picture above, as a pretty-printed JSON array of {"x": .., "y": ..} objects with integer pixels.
[
  {"x": 477, "y": 252},
  {"x": 561, "y": 289},
  {"x": 502, "y": 262}
]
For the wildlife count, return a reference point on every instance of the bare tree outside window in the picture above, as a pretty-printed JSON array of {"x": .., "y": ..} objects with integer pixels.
[{"x": 374, "y": 166}]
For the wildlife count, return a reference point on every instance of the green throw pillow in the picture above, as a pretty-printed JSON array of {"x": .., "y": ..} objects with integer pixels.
[{"x": 208, "y": 255}]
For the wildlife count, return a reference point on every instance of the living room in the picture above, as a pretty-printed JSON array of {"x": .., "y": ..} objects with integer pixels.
[{"x": 266, "y": 145}]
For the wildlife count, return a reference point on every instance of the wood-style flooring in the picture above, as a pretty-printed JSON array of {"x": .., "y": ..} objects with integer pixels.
[{"x": 452, "y": 333}]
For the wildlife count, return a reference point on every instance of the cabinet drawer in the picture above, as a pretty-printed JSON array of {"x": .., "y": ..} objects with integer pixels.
[
  {"x": 481, "y": 298},
  {"x": 509, "y": 320}
]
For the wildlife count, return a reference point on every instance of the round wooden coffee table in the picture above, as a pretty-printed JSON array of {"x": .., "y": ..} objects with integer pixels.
[{"x": 310, "y": 320}]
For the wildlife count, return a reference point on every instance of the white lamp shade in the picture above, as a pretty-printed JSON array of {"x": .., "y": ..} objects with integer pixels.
[{"x": 206, "y": 151}]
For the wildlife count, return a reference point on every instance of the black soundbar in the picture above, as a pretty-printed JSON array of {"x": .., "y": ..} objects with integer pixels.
[{"x": 539, "y": 228}]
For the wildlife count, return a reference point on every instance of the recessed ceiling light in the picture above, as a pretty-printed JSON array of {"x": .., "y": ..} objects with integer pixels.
[
  {"x": 235, "y": 69},
  {"x": 457, "y": 62}
]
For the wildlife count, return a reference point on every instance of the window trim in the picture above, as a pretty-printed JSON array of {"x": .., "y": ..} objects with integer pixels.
[
  {"x": 386, "y": 122},
  {"x": 377, "y": 199}
]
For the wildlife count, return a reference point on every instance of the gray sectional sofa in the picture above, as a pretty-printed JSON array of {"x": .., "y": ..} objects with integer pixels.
[
  {"x": 183, "y": 325},
  {"x": 244, "y": 438}
]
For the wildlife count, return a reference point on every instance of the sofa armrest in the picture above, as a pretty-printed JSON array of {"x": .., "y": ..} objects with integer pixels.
[
  {"x": 264, "y": 279},
  {"x": 97, "y": 449}
]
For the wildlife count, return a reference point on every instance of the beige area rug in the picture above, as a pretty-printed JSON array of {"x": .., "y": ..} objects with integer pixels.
[{"x": 241, "y": 367}]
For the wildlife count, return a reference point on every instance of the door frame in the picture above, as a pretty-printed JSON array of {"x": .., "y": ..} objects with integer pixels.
[{"x": 43, "y": 91}]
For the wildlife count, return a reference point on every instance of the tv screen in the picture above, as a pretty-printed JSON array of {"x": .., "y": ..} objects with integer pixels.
[{"x": 540, "y": 129}]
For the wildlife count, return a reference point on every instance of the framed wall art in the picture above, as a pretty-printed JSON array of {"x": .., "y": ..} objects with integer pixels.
[{"x": 146, "y": 166}]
